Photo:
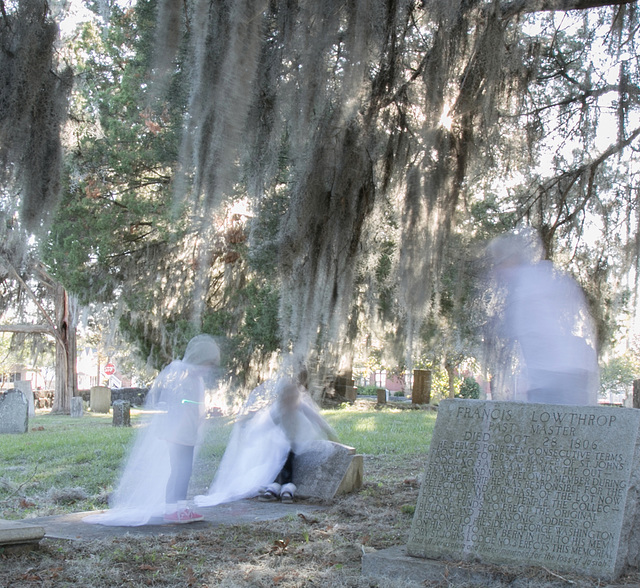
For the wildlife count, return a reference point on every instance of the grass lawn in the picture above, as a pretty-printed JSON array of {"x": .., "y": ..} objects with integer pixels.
[
  {"x": 70, "y": 465},
  {"x": 63, "y": 464}
]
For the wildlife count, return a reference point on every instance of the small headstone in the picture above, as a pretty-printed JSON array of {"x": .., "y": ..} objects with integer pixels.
[
  {"x": 14, "y": 412},
  {"x": 25, "y": 387},
  {"x": 382, "y": 395},
  {"x": 532, "y": 484},
  {"x": 121, "y": 413},
  {"x": 76, "y": 407},
  {"x": 326, "y": 469},
  {"x": 100, "y": 399}
]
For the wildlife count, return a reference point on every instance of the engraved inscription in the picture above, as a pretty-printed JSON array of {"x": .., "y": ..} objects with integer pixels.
[{"x": 538, "y": 485}]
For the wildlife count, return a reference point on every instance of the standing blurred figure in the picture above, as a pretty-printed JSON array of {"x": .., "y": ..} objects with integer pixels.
[
  {"x": 546, "y": 314},
  {"x": 153, "y": 486},
  {"x": 180, "y": 387}
]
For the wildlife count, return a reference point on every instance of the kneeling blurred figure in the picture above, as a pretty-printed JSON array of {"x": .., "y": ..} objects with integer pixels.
[{"x": 279, "y": 419}]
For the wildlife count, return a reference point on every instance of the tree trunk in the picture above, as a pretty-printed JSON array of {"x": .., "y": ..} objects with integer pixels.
[
  {"x": 66, "y": 381},
  {"x": 451, "y": 378}
]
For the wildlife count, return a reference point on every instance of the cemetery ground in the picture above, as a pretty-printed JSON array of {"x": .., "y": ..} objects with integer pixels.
[{"x": 64, "y": 465}]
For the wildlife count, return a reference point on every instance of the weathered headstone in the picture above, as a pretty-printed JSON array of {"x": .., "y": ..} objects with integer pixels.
[
  {"x": 76, "y": 407},
  {"x": 421, "y": 391},
  {"x": 100, "y": 399},
  {"x": 382, "y": 395},
  {"x": 548, "y": 485},
  {"x": 14, "y": 412},
  {"x": 25, "y": 387},
  {"x": 121, "y": 413},
  {"x": 326, "y": 469}
]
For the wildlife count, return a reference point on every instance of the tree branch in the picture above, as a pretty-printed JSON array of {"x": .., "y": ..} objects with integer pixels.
[
  {"x": 31, "y": 329},
  {"x": 29, "y": 291},
  {"x": 511, "y": 9},
  {"x": 572, "y": 176}
]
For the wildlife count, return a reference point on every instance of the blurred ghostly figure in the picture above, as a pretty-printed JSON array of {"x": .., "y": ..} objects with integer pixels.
[
  {"x": 546, "y": 314},
  {"x": 156, "y": 478},
  {"x": 263, "y": 444}
]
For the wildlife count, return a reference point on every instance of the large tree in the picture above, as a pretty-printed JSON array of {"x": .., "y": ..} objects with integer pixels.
[
  {"x": 370, "y": 137},
  {"x": 390, "y": 105}
]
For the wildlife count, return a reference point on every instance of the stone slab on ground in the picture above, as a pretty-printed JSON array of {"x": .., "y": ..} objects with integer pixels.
[
  {"x": 72, "y": 527},
  {"x": 531, "y": 484},
  {"x": 20, "y": 532},
  {"x": 326, "y": 470}
]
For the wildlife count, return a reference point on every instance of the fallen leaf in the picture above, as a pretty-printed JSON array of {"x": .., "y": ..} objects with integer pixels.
[
  {"x": 280, "y": 546},
  {"x": 307, "y": 519}
]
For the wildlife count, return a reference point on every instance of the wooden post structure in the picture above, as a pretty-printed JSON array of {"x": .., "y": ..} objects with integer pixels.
[{"x": 421, "y": 393}]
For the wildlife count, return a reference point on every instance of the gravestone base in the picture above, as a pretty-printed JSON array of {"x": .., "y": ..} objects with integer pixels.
[
  {"x": 396, "y": 564},
  {"x": 550, "y": 486}
]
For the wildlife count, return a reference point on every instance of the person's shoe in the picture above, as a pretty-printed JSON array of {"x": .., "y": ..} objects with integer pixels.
[
  {"x": 287, "y": 491},
  {"x": 268, "y": 496},
  {"x": 182, "y": 516}
]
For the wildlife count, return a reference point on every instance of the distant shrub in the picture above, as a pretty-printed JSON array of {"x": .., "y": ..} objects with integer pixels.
[
  {"x": 469, "y": 389},
  {"x": 368, "y": 390}
]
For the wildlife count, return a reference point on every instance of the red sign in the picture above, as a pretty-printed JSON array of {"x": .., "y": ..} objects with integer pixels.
[{"x": 109, "y": 369}]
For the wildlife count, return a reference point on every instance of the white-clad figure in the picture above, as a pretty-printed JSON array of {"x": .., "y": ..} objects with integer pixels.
[
  {"x": 155, "y": 480},
  {"x": 260, "y": 453},
  {"x": 546, "y": 314}
]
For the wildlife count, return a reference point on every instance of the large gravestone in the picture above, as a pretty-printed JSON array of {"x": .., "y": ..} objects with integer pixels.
[
  {"x": 100, "y": 399},
  {"x": 25, "y": 387},
  {"x": 14, "y": 412},
  {"x": 547, "y": 485}
]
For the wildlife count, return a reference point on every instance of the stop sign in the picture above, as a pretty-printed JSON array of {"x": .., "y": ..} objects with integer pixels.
[{"x": 109, "y": 369}]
